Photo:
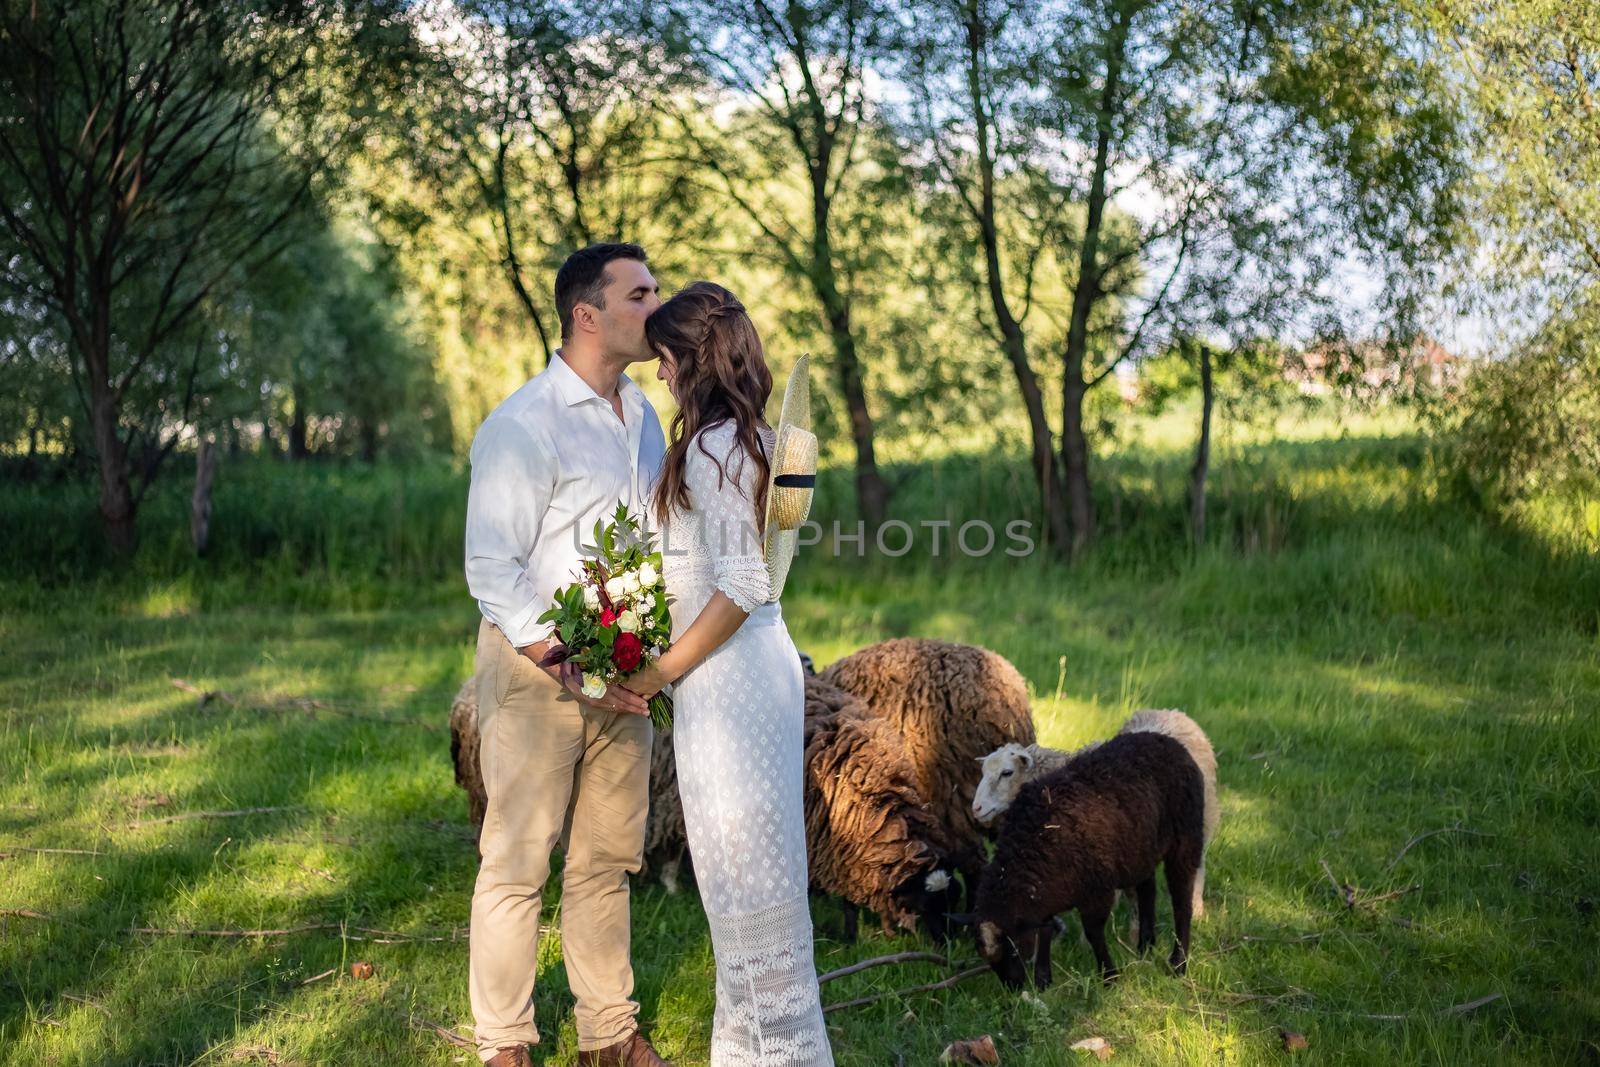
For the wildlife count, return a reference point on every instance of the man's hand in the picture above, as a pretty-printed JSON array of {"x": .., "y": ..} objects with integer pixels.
[
  {"x": 570, "y": 677},
  {"x": 616, "y": 698}
]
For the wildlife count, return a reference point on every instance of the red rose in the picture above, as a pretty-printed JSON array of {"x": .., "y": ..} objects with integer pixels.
[
  {"x": 626, "y": 652},
  {"x": 608, "y": 617}
]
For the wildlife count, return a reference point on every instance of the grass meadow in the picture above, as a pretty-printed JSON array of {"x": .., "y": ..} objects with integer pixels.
[{"x": 1402, "y": 689}]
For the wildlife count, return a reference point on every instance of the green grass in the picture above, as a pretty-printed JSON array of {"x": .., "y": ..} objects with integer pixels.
[{"x": 1372, "y": 661}]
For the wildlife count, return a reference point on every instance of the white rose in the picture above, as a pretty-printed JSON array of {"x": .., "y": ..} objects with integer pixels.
[
  {"x": 632, "y": 578},
  {"x": 629, "y": 621},
  {"x": 591, "y": 598},
  {"x": 617, "y": 588},
  {"x": 594, "y": 686},
  {"x": 648, "y": 575}
]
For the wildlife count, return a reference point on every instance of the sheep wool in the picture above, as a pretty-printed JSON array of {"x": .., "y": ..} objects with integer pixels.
[
  {"x": 951, "y": 704},
  {"x": 871, "y": 839},
  {"x": 464, "y": 749}
]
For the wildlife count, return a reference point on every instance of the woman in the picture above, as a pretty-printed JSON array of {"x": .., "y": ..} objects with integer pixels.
[{"x": 738, "y": 698}]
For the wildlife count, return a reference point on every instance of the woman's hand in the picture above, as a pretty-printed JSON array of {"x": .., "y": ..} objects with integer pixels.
[{"x": 647, "y": 682}]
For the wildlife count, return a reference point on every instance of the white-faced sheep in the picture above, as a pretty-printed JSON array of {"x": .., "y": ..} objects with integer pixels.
[
  {"x": 1009, "y": 767},
  {"x": 951, "y": 704},
  {"x": 871, "y": 840},
  {"x": 1076, "y": 836}
]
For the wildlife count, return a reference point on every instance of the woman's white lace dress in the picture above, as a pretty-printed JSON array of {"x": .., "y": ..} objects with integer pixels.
[{"x": 737, "y": 723}]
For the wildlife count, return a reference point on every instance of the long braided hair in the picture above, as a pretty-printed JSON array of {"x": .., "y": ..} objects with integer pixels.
[{"x": 721, "y": 375}]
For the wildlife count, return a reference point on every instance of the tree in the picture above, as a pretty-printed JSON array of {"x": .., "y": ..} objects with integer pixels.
[
  {"x": 800, "y": 70},
  {"x": 1245, "y": 380},
  {"x": 1528, "y": 422},
  {"x": 158, "y": 148},
  {"x": 1253, "y": 142},
  {"x": 969, "y": 94},
  {"x": 545, "y": 107}
]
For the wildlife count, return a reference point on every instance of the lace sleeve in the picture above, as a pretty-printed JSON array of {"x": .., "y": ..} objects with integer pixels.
[{"x": 723, "y": 503}]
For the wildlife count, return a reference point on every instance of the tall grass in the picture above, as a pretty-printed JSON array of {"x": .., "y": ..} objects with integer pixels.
[{"x": 1362, "y": 525}]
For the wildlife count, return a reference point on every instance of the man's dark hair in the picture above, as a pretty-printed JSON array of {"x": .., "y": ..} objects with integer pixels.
[{"x": 582, "y": 279}]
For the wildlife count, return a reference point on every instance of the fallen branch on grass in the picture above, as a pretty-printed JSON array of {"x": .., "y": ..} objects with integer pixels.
[
  {"x": 1454, "y": 1009},
  {"x": 309, "y": 705},
  {"x": 29, "y": 913},
  {"x": 90, "y": 1001},
  {"x": 1390, "y": 895},
  {"x": 417, "y": 1023},
  {"x": 349, "y": 933},
  {"x": 207, "y": 815},
  {"x": 52, "y": 852},
  {"x": 1245, "y": 939},
  {"x": 943, "y": 984},
  {"x": 1291, "y": 993},
  {"x": 1346, "y": 891},
  {"x": 879, "y": 961},
  {"x": 320, "y": 977},
  {"x": 1351, "y": 895},
  {"x": 1294, "y": 993},
  {"x": 1419, "y": 838}
]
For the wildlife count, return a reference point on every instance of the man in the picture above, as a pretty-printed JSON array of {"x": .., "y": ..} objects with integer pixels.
[{"x": 556, "y": 455}]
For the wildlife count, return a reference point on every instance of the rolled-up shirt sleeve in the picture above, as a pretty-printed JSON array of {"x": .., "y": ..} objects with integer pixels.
[
  {"x": 725, "y": 502},
  {"x": 513, "y": 479}
]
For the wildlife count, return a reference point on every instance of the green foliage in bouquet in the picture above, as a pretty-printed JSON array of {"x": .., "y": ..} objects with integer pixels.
[{"x": 614, "y": 621}]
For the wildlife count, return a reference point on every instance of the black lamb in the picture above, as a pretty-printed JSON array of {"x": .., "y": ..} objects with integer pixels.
[{"x": 1075, "y": 836}]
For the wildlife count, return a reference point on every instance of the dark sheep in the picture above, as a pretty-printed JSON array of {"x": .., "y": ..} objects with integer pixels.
[{"x": 1076, "y": 836}]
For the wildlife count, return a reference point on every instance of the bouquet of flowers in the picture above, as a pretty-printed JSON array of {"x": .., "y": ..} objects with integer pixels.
[{"x": 613, "y": 621}]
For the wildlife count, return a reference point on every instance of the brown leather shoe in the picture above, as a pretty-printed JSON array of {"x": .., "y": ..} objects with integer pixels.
[
  {"x": 514, "y": 1056},
  {"x": 633, "y": 1051}
]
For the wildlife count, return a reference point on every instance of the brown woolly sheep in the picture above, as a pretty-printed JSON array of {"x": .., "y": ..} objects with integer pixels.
[
  {"x": 1077, "y": 836},
  {"x": 464, "y": 750},
  {"x": 1009, "y": 767},
  {"x": 951, "y": 704},
  {"x": 870, "y": 838}
]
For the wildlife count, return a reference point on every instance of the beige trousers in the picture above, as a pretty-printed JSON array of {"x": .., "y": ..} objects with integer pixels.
[{"x": 555, "y": 771}]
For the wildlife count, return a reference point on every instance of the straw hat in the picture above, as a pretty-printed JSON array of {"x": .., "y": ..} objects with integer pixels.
[{"x": 794, "y": 476}]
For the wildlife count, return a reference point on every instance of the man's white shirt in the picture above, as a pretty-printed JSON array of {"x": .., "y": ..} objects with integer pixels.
[{"x": 546, "y": 463}]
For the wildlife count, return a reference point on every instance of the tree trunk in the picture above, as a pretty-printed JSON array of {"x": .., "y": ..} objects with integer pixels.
[
  {"x": 31, "y": 460},
  {"x": 872, "y": 492},
  {"x": 299, "y": 425},
  {"x": 1202, "y": 453},
  {"x": 1086, "y": 295},
  {"x": 1075, "y": 463},
  {"x": 205, "y": 463},
  {"x": 269, "y": 440},
  {"x": 512, "y": 261},
  {"x": 369, "y": 440},
  {"x": 116, "y": 495},
  {"x": 1014, "y": 342}
]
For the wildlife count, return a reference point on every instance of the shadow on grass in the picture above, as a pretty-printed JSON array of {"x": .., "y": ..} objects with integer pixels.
[{"x": 377, "y": 798}]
